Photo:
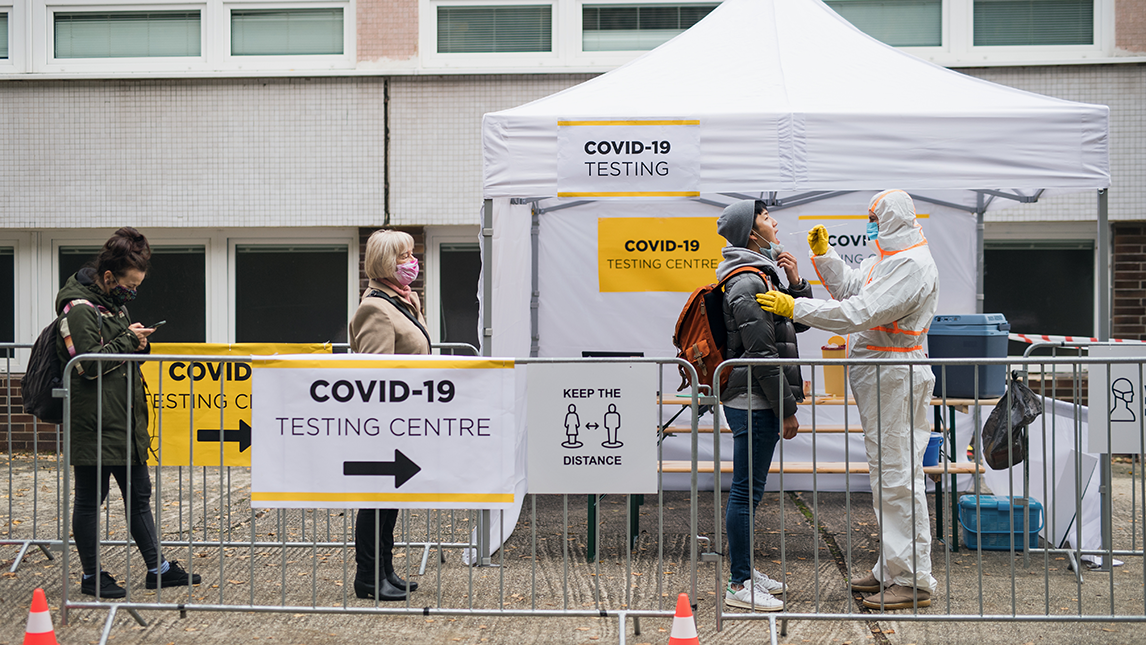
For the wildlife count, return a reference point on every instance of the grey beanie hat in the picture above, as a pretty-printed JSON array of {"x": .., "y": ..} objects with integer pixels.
[{"x": 736, "y": 222}]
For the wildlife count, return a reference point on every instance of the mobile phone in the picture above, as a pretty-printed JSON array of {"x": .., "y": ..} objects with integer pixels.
[{"x": 158, "y": 324}]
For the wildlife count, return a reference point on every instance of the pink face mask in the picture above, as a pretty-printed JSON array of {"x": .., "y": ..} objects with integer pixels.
[{"x": 407, "y": 272}]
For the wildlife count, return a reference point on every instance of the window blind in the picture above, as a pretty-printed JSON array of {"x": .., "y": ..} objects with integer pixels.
[
  {"x": 289, "y": 32},
  {"x": 495, "y": 29},
  {"x": 127, "y": 34},
  {"x": 899, "y": 23},
  {"x": 636, "y": 27},
  {"x": 3, "y": 35},
  {"x": 1033, "y": 22}
]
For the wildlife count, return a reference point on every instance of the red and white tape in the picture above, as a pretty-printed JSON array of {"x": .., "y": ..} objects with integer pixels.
[{"x": 1043, "y": 338}]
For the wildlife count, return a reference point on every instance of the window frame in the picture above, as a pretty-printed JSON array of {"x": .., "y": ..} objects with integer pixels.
[
  {"x": 29, "y": 286},
  {"x": 288, "y": 61},
  {"x": 1064, "y": 231},
  {"x": 215, "y": 45},
  {"x": 296, "y": 237},
  {"x": 435, "y": 237},
  {"x": 619, "y": 54},
  {"x": 38, "y": 267},
  {"x": 491, "y": 62},
  {"x": 958, "y": 48},
  {"x": 44, "y": 23},
  {"x": 17, "y": 36}
]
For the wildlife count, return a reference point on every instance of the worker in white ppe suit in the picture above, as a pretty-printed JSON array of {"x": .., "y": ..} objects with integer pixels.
[{"x": 887, "y": 303}]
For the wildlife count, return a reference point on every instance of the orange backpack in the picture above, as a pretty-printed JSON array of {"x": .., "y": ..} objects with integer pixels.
[{"x": 700, "y": 335}]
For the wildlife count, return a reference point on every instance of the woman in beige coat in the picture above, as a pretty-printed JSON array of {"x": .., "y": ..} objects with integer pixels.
[{"x": 388, "y": 321}]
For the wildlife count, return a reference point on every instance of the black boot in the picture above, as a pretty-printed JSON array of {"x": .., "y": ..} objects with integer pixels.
[
  {"x": 387, "y": 592},
  {"x": 401, "y": 584}
]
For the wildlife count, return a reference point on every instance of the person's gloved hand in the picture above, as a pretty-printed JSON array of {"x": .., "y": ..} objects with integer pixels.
[
  {"x": 776, "y": 302},
  {"x": 818, "y": 240}
]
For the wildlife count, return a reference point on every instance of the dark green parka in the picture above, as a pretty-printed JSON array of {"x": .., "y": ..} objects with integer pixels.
[{"x": 81, "y": 327}]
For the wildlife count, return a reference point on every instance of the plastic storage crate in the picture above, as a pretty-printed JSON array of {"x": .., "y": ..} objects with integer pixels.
[
  {"x": 994, "y": 513},
  {"x": 969, "y": 336}
]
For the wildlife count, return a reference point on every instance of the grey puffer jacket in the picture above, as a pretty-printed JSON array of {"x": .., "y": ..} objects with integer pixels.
[{"x": 755, "y": 333}]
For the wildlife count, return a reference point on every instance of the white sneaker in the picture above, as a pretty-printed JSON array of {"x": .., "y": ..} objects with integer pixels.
[
  {"x": 744, "y": 599},
  {"x": 774, "y": 587}
]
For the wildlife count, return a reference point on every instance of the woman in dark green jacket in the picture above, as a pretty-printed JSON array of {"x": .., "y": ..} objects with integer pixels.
[{"x": 93, "y": 320}]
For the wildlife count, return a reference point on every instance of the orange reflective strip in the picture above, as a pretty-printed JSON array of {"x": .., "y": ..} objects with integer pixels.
[
  {"x": 817, "y": 270},
  {"x": 894, "y": 349},
  {"x": 894, "y": 329}
]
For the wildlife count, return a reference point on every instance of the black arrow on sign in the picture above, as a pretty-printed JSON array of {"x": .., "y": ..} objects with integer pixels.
[
  {"x": 401, "y": 468},
  {"x": 592, "y": 426},
  {"x": 242, "y": 435}
]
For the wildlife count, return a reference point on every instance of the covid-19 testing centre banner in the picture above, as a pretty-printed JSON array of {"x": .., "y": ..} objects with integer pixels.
[
  {"x": 369, "y": 431},
  {"x": 613, "y": 275}
]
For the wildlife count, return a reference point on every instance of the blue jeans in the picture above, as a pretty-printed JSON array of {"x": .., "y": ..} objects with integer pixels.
[{"x": 738, "y": 519}]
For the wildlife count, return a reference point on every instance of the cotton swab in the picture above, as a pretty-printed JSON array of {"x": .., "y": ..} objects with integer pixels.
[{"x": 827, "y": 227}]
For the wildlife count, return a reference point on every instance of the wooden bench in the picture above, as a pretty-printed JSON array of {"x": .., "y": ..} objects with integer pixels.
[
  {"x": 821, "y": 468},
  {"x": 806, "y": 428}
]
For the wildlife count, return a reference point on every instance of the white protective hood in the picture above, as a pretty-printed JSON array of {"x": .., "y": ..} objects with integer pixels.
[{"x": 791, "y": 97}]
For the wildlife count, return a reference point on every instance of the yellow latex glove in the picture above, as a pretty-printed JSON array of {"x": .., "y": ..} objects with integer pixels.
[
  {"x": 778, "y": 303},
  {"x": 818, "y": 240}
]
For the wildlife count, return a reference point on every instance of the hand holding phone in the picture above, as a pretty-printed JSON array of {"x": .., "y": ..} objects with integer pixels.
[{"x": 158, "y": 324}]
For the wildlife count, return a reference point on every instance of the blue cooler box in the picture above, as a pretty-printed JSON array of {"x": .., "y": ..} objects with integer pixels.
[
  {"x": 995, "y": 514},
  {"x": 969, "y": 336}
]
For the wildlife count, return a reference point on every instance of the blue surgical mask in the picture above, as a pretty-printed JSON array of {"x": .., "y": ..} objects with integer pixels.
[
  {"x": 872, "y": 231},
  {"x": 774, "y": 250}
]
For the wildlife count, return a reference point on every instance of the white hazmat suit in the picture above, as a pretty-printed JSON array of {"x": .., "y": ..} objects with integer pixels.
[{"x": 888, "y": 303}]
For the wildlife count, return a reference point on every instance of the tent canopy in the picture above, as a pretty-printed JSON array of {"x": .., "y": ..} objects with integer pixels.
[{"x": 791, "y": 97}]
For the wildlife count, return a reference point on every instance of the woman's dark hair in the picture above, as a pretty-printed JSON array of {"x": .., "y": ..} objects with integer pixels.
[{"x": 127, "y": 249}]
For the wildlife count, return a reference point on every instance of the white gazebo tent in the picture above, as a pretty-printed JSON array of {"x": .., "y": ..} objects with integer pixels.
[{"x": 795, "y": 102}]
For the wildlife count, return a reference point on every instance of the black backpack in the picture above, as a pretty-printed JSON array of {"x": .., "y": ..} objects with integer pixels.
[{"x": 45, "y": 374}]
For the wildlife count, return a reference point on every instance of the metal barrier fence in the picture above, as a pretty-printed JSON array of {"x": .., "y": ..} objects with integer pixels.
[
  {"x": 38, "y": 530},
  {"x": 818, "y": 520},
  {"x": 254, "y": 559},
  {"x": 839, "y": 537}
]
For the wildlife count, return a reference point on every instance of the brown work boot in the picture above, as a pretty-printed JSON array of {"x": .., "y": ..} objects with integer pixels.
[
  {"x": 866, "y": 585},
  {"x": 897, "y": 597}
]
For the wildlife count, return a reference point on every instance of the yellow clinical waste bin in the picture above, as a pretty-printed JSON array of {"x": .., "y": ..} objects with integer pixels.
[{"x": 837, "y": 347}]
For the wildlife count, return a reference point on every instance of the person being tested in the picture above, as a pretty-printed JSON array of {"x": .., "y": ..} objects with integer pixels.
[{"x": 888, "y": 303}]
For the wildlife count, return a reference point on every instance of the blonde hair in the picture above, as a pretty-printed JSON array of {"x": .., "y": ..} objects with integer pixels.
[{"x": 382, "y": 251}]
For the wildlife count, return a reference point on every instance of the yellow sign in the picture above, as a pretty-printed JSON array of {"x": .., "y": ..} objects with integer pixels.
[
  {"x": 656, "y": 253},
  {"x": 204, "y": 407}
]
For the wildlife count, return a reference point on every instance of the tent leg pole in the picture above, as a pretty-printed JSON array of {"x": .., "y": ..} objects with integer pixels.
[
  {"x": 979, "y": 266},
  {"x": 1103, "y": 266},
  {"x": 487, "y": 278},
  {"x": 535, "y": 283}
]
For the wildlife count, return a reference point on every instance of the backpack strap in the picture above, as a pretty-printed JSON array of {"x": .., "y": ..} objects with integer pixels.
[
  {"x": 756, "y": 270},
  {"x": 375, "y": 293},
  {"x": 66, "y": 332}
]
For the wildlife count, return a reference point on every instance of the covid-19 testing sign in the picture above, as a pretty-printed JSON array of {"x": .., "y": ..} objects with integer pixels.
[
  {"x": 383, "y": 432},
  {"x": 628, "y": 158}
]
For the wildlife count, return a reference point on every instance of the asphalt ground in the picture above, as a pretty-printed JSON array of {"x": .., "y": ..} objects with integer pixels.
[{"x": 544, "y": 567}]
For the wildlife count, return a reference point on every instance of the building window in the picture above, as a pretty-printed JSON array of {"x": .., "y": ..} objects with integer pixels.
[
  {"x": 7, "y": 296},
  {"x": 125, "y": 34},
  {"x": 899, "y": 23},
  {"x": 1039, "y": 311},
  {"x": 174, "y": 290},
  {"x": 286, "y": 32},
  {"x": 291, "y": 293},
  {"x": 4, "y": 35},
  {"x": 504, "y": 29},
  {"x": 459, "y": 266},
  {"x": 1033, "y": 22},
  {"x": 636, "y": 27}
]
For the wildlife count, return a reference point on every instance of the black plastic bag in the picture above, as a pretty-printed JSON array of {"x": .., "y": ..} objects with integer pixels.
[{"x": 999, "y": 450}]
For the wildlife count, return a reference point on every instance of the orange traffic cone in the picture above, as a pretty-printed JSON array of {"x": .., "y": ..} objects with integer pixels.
[
  {"x": 39, "y": 631},
  {"x": 683, "y": 626}
]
